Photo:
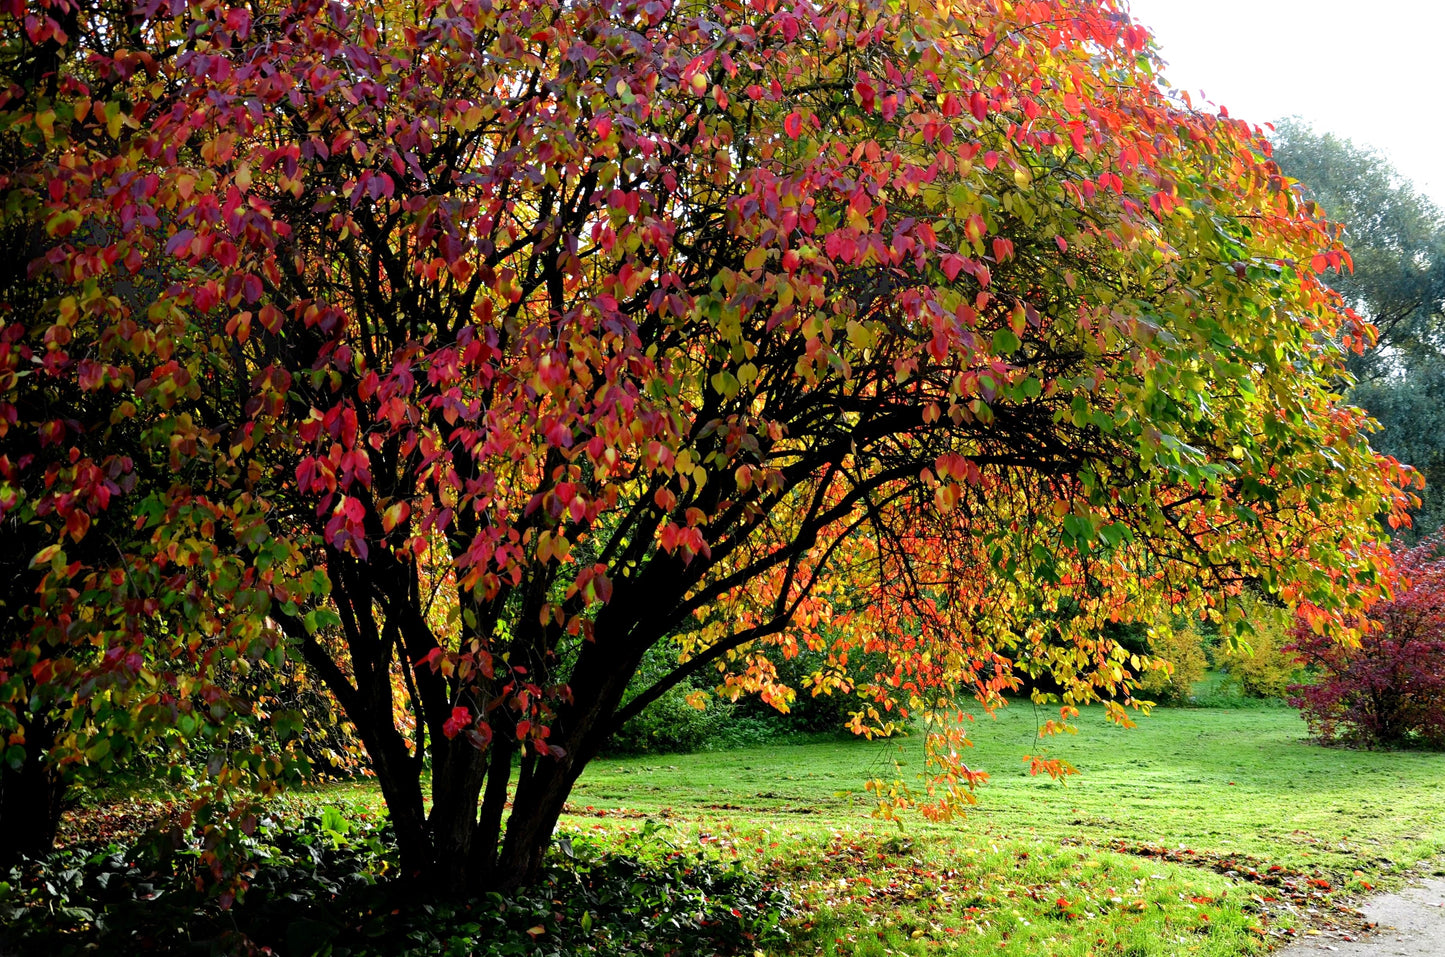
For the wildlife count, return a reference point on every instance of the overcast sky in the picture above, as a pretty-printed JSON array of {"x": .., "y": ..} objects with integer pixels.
[{"x": 1369, "y": 70}]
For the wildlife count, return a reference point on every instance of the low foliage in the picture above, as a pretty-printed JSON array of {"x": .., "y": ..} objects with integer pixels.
[
  {"x": 1258, "y": 665},
  {"x": 319, "y": 886},
  {"x": 1389, "y": 690},
  {"x": 1183, "y": 648},
  {"x": 673, "y": 724},
  {"x": 699, "y": 715}
]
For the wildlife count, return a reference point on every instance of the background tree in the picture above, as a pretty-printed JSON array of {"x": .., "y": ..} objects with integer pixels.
[
  {"x": 475, "y": 349},
  {"x": 1396, "y": 239},
  {"x": 1182, "y": 646},
  {"x": 1410, "y": 408},
  {"x": 1259, "y": 667}
]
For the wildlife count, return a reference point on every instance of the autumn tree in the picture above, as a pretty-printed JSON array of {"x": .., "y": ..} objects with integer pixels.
[
  {"x": 472, "y": 349},
  {"x": 108, "y": 658}
]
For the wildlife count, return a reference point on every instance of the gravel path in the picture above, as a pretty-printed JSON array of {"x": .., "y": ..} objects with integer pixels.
[{"x": 1410, "y": 923}]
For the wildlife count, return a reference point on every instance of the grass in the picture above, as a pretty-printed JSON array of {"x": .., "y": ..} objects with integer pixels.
[
  {"x": 1212, "y": 832},
  {"x": 1133, "y": 855},
  {"x": 1240, "y": 782}
]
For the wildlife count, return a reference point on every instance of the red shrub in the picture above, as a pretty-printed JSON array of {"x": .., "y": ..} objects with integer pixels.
[{"x": 1389, "y": 691}]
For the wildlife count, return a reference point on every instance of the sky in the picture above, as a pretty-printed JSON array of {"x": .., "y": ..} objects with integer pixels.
[{"x": 1372, "y": 71}]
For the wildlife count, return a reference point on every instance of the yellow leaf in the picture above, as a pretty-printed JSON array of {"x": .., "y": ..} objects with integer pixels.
[
  {"x": 859, "y": 335},
  {"x": 396, "y": 513},
  {"x": 44, "y": 555},
  {"x": 725, "y": 384},
  {"x": 113, "y": 120}
]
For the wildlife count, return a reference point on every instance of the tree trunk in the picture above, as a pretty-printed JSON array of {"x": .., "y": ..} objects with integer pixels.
[
  {"x": 399, "y": 778},
  {"x": 31, "y": 800},
  {"x": 600, "y": 680},
  {"x": 458, "y": 770},
  {"x": 538, "y": 805}
]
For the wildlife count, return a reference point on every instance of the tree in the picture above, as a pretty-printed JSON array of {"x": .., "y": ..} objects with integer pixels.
[
  {"x": 474, "y": 349},
  {"x": 108, "y": 657},
  {"x": 1396, "y": 239},
  {"x": 1387, "y": 690},
  {"x": 1410, "y": 408},
  {"x": 1397, "y": 281},
  {"x": 1260, "y": 667}
]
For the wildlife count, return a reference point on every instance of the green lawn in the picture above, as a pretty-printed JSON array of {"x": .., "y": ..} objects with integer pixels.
[
  {"x": 1232, "y": 781},
  {"x": 1030, "y": 869},
  {"x": 1128, "y": 857}
]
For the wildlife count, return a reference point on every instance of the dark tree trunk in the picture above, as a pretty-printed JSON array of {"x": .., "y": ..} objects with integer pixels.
[
  {"x": 400, "y": 781},
  {"x": 466, "y": 842},
  {"x": 458, "y": 770},
  {"x": 600, "y": 679},
  {"x": 31, "y": 799}
]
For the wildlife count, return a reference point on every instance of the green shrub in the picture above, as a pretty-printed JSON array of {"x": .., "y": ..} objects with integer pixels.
[
  {"x": 1257, "y": 666},
  {"x": 809, "y": 713},
  {"x": 673, "y": 725},
  {"x": 1183, "y": 648}
]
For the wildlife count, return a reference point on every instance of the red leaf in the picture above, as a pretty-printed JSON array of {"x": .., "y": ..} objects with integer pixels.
[{"x": 461, "y": 717}]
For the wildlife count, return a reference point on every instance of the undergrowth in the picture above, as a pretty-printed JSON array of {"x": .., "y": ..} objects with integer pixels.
[{"x": 319, "y": 886}]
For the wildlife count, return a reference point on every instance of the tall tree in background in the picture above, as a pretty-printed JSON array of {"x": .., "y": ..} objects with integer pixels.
[
  {"x": 1396, "y": 238},
  {"x": 472, "y": 349}
]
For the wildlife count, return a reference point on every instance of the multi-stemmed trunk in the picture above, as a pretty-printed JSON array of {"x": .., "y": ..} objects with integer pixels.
[
  {"x": 492, "y": 812},
  {"x": 31, "y": 799}
]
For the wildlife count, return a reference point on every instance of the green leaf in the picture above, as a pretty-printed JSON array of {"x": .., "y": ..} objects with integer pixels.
[{"x": 1005, "y": 342}]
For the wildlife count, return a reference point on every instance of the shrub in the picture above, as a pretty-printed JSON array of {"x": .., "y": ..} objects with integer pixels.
[
  {"x": 1389, "y": 690},
  {"x": 1260, "y": 667},
  {"x": 812, "y": 710},
  {"x": 696, "y": 716},
  {"x": 673, "y": 724},
  {"x": 1183, "y": 648}
]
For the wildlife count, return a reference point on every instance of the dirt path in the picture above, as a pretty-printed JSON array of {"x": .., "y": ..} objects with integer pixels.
[{"x": 1410, "y": 923}]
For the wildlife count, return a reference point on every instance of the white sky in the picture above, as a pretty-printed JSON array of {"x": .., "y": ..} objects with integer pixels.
[{"x": 1369, "y": 70}]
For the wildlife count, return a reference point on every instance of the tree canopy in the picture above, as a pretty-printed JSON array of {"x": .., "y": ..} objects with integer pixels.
[
  {"x": 468, "y": 350},
  {"x": 1396, "y": 279},
  {"x": 1396, "y": 239}
]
